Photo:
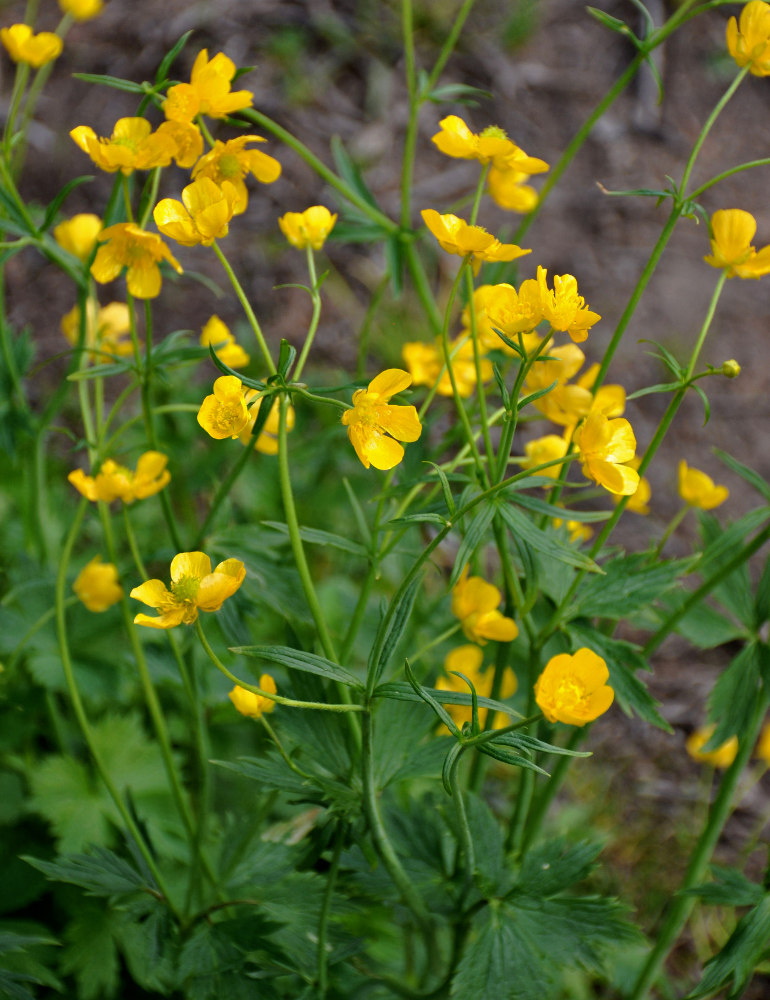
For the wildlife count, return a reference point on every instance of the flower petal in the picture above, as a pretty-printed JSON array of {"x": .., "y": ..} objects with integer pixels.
[{"x": 190, "y": 564}]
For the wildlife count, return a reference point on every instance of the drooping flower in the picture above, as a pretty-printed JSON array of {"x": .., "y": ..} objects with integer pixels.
[
  {"x": 224, "y": 414},
  {"x": 231, "y": 161},
  {"x": 208, "y": 92},
  {"x": 82, "y": 10},
  {"x": 549, "y": 448},
  {"x": 194, "y": 588},
  {"x": 573, "y": 688},
  {"x": 78, "y": 235},
  {"x": 24, "y": 46},
  {"x": 108, "y": 329},
  {"x": 375, "y": 427},
  {"x": 699, "y": 490},
  {"x": 117, "y": 482},
  {"x": 140, "y": 252},
  {"x": 748, "y": 40},
  {"x": 563, "y": 307},
  {"x": 202, "y": 216},
  {"x": 475, "y": 602},
  {"x": 457, "y": 237},
  {"x": 267, "y": 442},
  {"x": 97, "y": 585},
  {"x": 468, "y": 660},
  {"x": 732, "y": 231},
  {"x": 217, "y": 335},
  {"x": 308, "y": 228},
  {"x": 132, "y": 146},
  {"x": 254, "y": 705},
  {"x": 722, "y": 757},
  {"x": 605, "y": 447}
]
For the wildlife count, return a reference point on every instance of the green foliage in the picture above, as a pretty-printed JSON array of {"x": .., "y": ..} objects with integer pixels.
[{"x": 734, "y": 965}]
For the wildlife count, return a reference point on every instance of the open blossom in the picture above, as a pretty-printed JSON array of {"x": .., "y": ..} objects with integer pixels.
[
  {"x": 97, "y": 585},
  {"x": 563, "y": 308},
  {"x": 78, "y": 235},
  {"x": 468, "y": 660},
  {"x": 202, "y": 216},
  {"x": 722, "y": 756},
  {"x": 732, "y": 231},
  {"x": 217, "y": 335},
  {"x": 208, "y": 92},
  {"x": 456, "y": 236},
  {"x": 23, "y": 46},
  {"x": 375, "y": 427},
  {"x": 573, "y": 688},
  {"x": 475, "y": 602},
  {"x": 232, "y": 161},
  {"x": 308, "y": 228},
  {"x": 224, "y": 413},
  {"x": 699, "y": 490},
  {"x": 606, "y": 446},
  {"x": 194, "y": 588},
  {"x": 108, "y": 329},
  {"x": 490, "y": 146},
  {"x": 117, "y": 482},
  {"x": 509, "y": 190},
  {"x": 251, "y": 704},
  {"x": 510, "y": 311},
  {"x": 748, "y": 39},
  {"x": 132, "y": 146},
  {"x": 186, "y": 139},
  {"x": 140, "y": 252}
]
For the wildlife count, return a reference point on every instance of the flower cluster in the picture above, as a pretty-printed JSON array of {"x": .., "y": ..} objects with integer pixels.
[{"x": 117, "y": 482}]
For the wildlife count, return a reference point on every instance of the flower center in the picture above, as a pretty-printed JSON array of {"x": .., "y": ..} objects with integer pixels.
[
  {"x": 230, "y": 417},
  {"x": 494, "y": 132},
  {"x": 570, "y": 693},
  {"x": 229, "y": 166},
  {"x": 185, "y": 589}
]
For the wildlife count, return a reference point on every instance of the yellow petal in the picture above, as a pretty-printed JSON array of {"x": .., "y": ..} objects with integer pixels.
[
  {"x": 195, "y": 565},
  {"x": 153, "y": 593},
  {"x": 400, "y": 421},
  {"x": 389, "y": 382}
]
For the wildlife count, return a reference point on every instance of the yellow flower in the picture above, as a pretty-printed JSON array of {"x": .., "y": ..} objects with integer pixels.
[
  {"x": 81, "y": 10},
  {"x": 224, "y": 414},
  {"x": 425, "y": 363},
  {"x": 732, "y": 231},
  {"x": 132, "y": 146},
  {"x": 573, "y": 688},
  {"x": 308, "y": 228},
  {"x": 375, "y": 427},
  {"x": 208, "y": 92},
  {"x": 126, "y": 245},
  {"x": 78, "y": 235},
  {"x": 549, "y": 448},
  {"x": 748, "y": 41},
  {"x": 763, "y": 745},
  {"x": 474, "y": 602},
  {"x": 638, "y": 502},
  {"x": 467, "y": 660},
  {"x": 509, "y": 190},
  {"x": 107, "y": 329},
  {"x": 231, "y": 161},
  {"x": 512, "y": 312},
  {"x": 267, "y": 442},
  {"x": 116, "y": 482},
  {"x": 722, "y": 757},
  {"x": 605, "y": 445},
  {"x": 254, "y": 705},
  {"x": 491, "y": 146},
  {"x": 457, "y": 237},
  {"x": 202, "y": 216},
  {"x": 23, "y": 46},
  {"x": 216, "y": 334},
  {"x": 564, "y": 404},
  {"x": 577, "y": 531},
  {"x": 187, "y": 141},
  {"x": 563, "y": 308},
  {"x": 97, "y": 585},
  {"x": 699, "y": 490},
  {"x": 194, "y": 588}
]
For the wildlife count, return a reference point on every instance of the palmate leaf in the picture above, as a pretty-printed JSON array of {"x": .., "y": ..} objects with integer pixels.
[
  {"x": 629, "y": 583},
  {"x": 100, "y": 873}
]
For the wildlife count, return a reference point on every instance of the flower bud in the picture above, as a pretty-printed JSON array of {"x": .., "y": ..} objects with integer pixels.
[{"x": 731, "y": 368}]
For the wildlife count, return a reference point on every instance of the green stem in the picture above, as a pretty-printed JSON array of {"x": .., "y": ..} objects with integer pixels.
[
  {"x": 671, "y": 527},
  {"x": 466, "y": 838},
  {"x": 316, "y": 299},
  {"x": 424, "y": 293},
  {"x": 410, "y": 138},
  {"x": 323, "y": 919},
  {"x": 764, "y": 162},
  {"x": 282, "y": 751},
  {"x": 246, "y": 308},
  {"x": 708, "y": 126},
  {"x": 33, "y": 630},
  {"x": 541, "y": 802},
  {"x": 224, "y": 488}
]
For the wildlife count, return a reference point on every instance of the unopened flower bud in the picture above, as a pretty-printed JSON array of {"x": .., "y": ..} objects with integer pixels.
[{"x": 731, "y": 368}]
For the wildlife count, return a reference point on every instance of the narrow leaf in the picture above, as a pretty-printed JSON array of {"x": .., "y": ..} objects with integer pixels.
[{"x": 298, "y": 659}]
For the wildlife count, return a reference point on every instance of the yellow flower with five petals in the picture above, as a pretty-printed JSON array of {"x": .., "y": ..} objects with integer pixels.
[
  {"x": 23, "y": 46},
  {"x": 605, "y": 446},
  {"x": 117, "y": 482},
  {"x": 140, "y": 252},
  {"x": 563, "y": 307},
  {"x": 308, "y": 228},
  {"x": 475, "y": 602},
  {"x": 573, "y": 688},
  {"x": 202, "y": 216},
  {"x": 375, "y": 427},
  {"x": 208, "y": 92},
  {"x": 699, "y": 490},
  {"x": 224, "y": 413},
  {"x": 232, "y": 161},
  {"x": 748, "y": 40},
  {"x": 97, "y": 585},
  {"x": 456, "y": 236},
  {"x": 732, "y": 231},
  {"x": 194, "y": 588},
  {"x": 132, "y": 146}
]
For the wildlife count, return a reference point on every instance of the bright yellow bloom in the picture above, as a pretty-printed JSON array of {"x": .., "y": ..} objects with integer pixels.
[
  {"x": 605, "y": 446},
  {"x": 563, "y": 307},
  {"x": 573, "y": 688},
  {"x": 513, "y": 312},
  {"x": 23, "y": 46},
  {"x": 97, "y": 585},
  {"x": 78, "y": 235},
  {"x": 425, "y": 363},
  {"x": 81, "y": 10},
  {"x": 126, "y": 245},
  {"x": 202, "y": 216},
  {"x": 748, "y": 41},
  {"x": 194, "y": 588},
  {"x": 722, "y": 757},
  {"x": 267, "y": 442},
  {"x": 224, "y": 414},
  {"x": 467, "y": 660},
  {"x": 187, "y": 141},
  {"x": 564, "y": 404},
  {"x": 732, "y": 231},
  {"x": 457, "y": 237},
  {"x": 132, "y": 146},
  {"x": 116, "y": 482},
  {"x": 763, "y": 745},
  {"x": 549, "y": 448},
  {"x": 638, "y": 502},
  {"x": 254, "y": 705},
  {"x": 208, "y": 92},
  {"x": 108, "y": 330},
  {"x": 216, "y": 334},
  {"x": 375, "y": 427},
  {"x": 491, "y": 146},
  {"x": 699, "y": 490},
  {"x": 474, "y": 602},
  {"x": 578, "y": 531},
  {"x": 508, "y": 189},
  {"x": 231, "y": 161},
  {"x": 308, "y": 228}
]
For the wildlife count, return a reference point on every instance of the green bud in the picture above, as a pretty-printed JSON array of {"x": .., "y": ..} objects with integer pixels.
[{"x": 731, "y": 368}]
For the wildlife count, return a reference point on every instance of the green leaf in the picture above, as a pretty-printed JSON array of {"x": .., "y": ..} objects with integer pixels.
[
  {"x": 91, "y": 954},
  {"x": 216, "y": 959},
  {"x": 396, "y": 262},
  {"x": 391, "y": 629},
  {"x": 403, "y": 692},
  {"x": 551, "y": 510},
  {"x": 474, "y": 536},
  {"x": 734, "y": 965},
  {"x": 286, "y": 356},
  {"x": 734, "y": 696},
  {"x": 762, "y": 609},
  {"x": 556, "y": 865},
  {"x": 100, "y": 873},
  {"x": 427, "y": 517},
  {"x": 298, "y": 659},
  {"x": 613, "y": 23},
  {"x": 544, "y": 541},
  {"x": 458, "y": 93},
  {"x": 446, "y": 489},
  {"x": 702, "y": 625},
  {"x": 53, "y": 208},
  {"x": 315, "y": 536},
  {"x": 167, "y": 61},
  {"x": 451, "y": 761},
  {"x": 628, "y": 584},
  {"x": 112, "y": 81},
  {"x": 745, "y": 472},
  {"x": 730, "y": 888},
  {"x": 496, "y": 750},
  {"x": 101, "y": 371},
  {"x": 734, "y": 592},
  {"x": 350, "y": 172},
  {"x": 270, "y": 773},
  {"x": 426, "y": 695}
]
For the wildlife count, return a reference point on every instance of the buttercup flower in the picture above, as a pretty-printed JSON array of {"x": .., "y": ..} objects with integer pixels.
[
  {"x": 116, "y": 482},
  {"x": 254, "y": 705},
  {"x": 732, "y": 232},
  {"x": 425, "y": 363},
  {"x": 638, "y": 502},
  {"x": 187, "y": 141},
  {"x": 132, "y": 146},
  {"x": 81, "y": 10},
  {"x": 467, "y": 660},
  {"x": 513, "y": 312},
  {"x": 722, "y": 757},
  {"x": 509, "y": 190},
  {"x": 308, "y": 228},
  {"x": 23, "y": 46},
  {"x": 267, "y": 442},
  {"x": 573, "y": 688},
  {"x": 564, "y": 404},
  {"x": 457, "y": 237},
  {"x": 563, "y": 307},
  {"x": 577, "y": 531},
  {"x": 474, "y": 602},
  {"x": 78, "y": 235},
  {"x": 108, "y": 330},
  {"x": 605, "y": 446},
  {"x": 375, "y": 427},
  {"x": 549, "y": 448},
  {"x": 97, "y": 585},
  {"x": 748, "y": 40},
  {"x": 126, "y": 245},
  {"x": 216, "y": 334},
  {"x": 208, "y": 92},
  {"x": 194, "y": 588},
  {"x": 231, "y": 161},
  {"x": 699, "y": 490},
  {"x": 224, "y": 414},
  {"x": 491, "y": 146},
  {"x": 202, "y": 216}
]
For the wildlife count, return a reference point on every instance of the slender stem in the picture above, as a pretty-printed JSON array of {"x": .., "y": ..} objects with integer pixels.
[
  {"x": 246, "y": 308},
  {"x": 708, "y": 126},
  {"x": 446, "y": 634},
  {"x": 323, "y": 918},
  {"x": 223, "y": 490},
  {"x": 448, "y": 46},
  {"x": 410, "y": 138},
  {"x": 764, "y": 162},
  {"x": 541, "y": 802},
  {"x": 671, "y": 527},
  {"x": 466, "y": 838},
  {"x": 424, "y": 293},
  {"x": 315, "y": 296},
  {"x": 282, "y": 751}
]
